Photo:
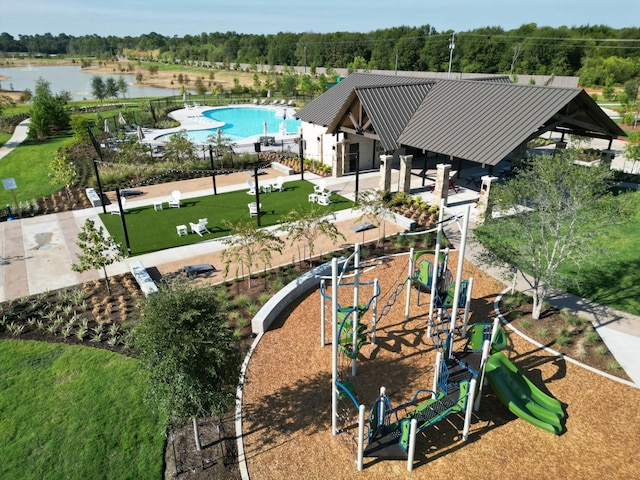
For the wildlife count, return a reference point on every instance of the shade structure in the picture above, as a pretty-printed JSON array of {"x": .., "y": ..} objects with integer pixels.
[
  {"x": 107, "y": 127},
  {"x": 140, "y": 133},
  {"x": 121, "y": 119},
  {"x": 265, "y": 129}
]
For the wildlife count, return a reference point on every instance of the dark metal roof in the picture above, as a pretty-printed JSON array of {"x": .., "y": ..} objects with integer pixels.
[
  {"x": 391, "y": 107},
  {"x": 324, "y": 109},
  {"x": 484, "y": 121}
]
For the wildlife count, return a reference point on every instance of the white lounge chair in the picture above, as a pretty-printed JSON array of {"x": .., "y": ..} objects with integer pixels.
[
  {"x": 290, "y": 103},
  {"x": 279, "y": 185},
  {"x": 321, "y": 187},
  {"x": 252, "y": 187},
  {"x": 323, "y": 198},
  {"x": 254, "y": 209},
  {"x": 200, "y": 227},
  {"x": 174, "y": 199},
  {"x": 115, "y": 210}
]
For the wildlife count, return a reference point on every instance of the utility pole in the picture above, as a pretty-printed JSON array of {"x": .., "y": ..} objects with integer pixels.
[
  {"x": 304, "y": 45},
  {"x": 396, "y": 62},
  {"x": 452, "y": 45}
]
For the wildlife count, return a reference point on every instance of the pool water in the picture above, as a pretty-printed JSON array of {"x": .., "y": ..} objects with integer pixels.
[{"x": 241, "y": 123}]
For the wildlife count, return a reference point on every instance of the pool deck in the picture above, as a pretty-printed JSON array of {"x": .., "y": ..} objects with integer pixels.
[{"x": 191, "y": 118}]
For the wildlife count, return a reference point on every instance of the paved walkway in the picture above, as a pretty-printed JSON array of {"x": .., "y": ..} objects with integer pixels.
[{"x": 37, "y": 253}]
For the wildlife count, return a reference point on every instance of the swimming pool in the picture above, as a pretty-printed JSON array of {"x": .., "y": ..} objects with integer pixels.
[{"x": 243, "y": 122}]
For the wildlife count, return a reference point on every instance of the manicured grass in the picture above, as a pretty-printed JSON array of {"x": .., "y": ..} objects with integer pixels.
[
  {"x": 29, "y": 164},
  {"x": 151, "y": 231},
  {"x": 4, "y": 138},
  {"x": 74, "y": 412},
  {"x": 615, "y": 280}
]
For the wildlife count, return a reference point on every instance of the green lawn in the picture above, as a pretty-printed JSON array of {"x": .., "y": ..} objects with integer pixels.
[
  {"x": 4, "y": 138},
  {"x": 151, "y": 230},
  {"x": 74, "y": 412},
  {"x": 29, "y": 164},
  {"x": 615, "y": 279}
]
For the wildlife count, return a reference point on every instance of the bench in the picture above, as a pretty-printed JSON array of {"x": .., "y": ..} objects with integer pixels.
[
  {"x": 147, "y": 285},
  {"x": 93, "y": 197},
  {"x": 282, "y": 168},
  {"x": 191, "y": 270}
]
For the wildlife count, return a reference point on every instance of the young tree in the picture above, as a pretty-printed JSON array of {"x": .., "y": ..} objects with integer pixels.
[
  {"x": 98, "y": 250},
  {"x": 310, "y": 225},
  {"x": 180, "y": 148},
  {"x": 188, "y": 352},
  {"x": 47, "y": 111},
  {"x": 123, "y": 87},
  {"x": 111, "y": 88},
  {"x": 632, "y": 147},
  {"x": 373, "y": 205},
  {"x": 249, "y": 245},
  {"x": 559, "y": 213},
  {"x": 98, "y": 88},
  {"x": 221, "y": 143},
  {"x": 63, "y": 171}
]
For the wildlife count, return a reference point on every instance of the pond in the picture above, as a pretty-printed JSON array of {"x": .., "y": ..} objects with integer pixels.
[{"x": 71, "y": 79}]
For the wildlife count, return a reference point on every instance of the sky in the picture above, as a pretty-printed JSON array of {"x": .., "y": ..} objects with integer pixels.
[{"x": 192, "y": 17}]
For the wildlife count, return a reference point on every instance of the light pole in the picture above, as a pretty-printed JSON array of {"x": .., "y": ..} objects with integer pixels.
[{"x": 452, "y": 45}]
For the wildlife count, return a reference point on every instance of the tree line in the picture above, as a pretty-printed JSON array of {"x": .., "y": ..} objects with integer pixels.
[{"x": 599, "y": 54}]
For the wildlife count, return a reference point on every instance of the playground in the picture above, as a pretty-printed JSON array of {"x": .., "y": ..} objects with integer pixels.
[{"x": 287, "y": 404}]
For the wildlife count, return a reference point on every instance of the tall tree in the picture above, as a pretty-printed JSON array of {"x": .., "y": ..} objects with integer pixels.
[
  {"x": 553, "y": 213},
  {"x": 48, "y": 111},
  {"x": 188, "y": 352},
  {"x": 98, "y": 250},
  {"x": 98, "y": 88}
]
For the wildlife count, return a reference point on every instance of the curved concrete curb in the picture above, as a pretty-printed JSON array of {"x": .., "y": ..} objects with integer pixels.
[
  {"x": 496, "y": 309},
  {"x": 242, "y": 459},
  {"x": 261, "y": 323},
  {"x": 281, "y": 300}
]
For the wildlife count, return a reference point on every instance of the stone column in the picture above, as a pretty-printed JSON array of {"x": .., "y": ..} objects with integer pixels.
[
  {"x": 441, "y": 188},
  {"x": 483, "y": 201},
  {"x": 405, "y": 173},
  {"x": 386, "y": 161},
  {"x": 338, "y": 160},
  {"x": 320, "y": 152}
]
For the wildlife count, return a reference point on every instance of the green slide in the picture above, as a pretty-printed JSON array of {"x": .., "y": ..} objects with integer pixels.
[{"x": 521, "y": 396}]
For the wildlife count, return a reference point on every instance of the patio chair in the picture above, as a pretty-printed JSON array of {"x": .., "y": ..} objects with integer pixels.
[
  {"x": 252, "y": 187},
  {"x": 279, "y": 185},
  {"x": 115, "y": 210},
  {"x": 321, "y": 187},
  {"x": 254, "y": 209},
  {"x": 200, "y": 227},
  {"x": 174, "y": 199},
  {"x": 323, "y": 198}
]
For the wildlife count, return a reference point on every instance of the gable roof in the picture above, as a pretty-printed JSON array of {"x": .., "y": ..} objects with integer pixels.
[
  {"x": 324, "y": 109},
  {"x": 483, "y": 122}
]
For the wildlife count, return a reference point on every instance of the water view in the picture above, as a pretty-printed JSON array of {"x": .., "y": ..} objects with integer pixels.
[{"x": 71, "y": 79}]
